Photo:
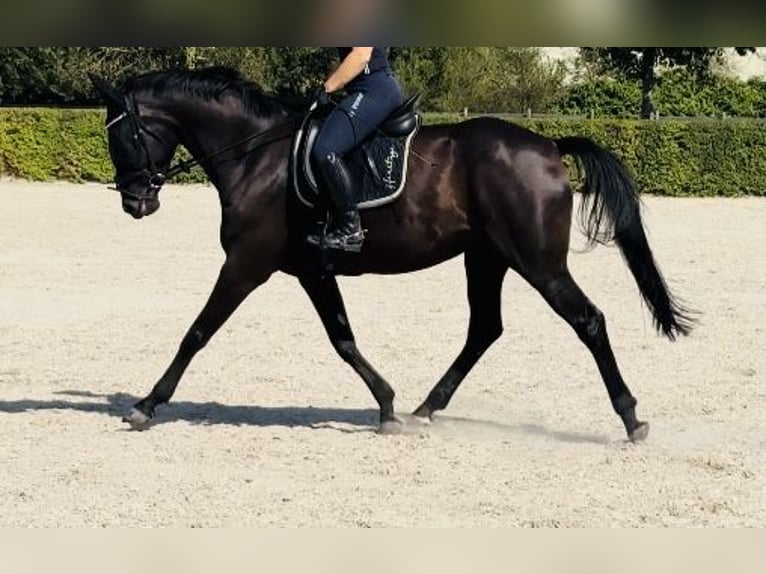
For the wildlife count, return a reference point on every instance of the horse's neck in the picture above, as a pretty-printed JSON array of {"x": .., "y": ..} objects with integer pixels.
[{"x": 208, "y": 127}]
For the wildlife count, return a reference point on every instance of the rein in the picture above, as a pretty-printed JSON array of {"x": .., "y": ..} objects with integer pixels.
[{"x": 259, "y": 139}]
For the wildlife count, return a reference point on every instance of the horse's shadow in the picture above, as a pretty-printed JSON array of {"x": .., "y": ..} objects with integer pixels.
[
  {"x": 342, "y": 420},
  {"x": 209, "y": 413}
]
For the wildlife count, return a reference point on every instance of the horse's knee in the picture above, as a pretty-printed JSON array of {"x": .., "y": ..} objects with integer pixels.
[
  {"x": 493, "y": 333},
  {"x": 194, "y": 341},
  {"x": 347, "y": 350},
  {"x": 485, "y": 335}
]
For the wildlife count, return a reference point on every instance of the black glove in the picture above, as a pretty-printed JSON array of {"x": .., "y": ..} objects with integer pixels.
[{"x": 322, "y": 98}]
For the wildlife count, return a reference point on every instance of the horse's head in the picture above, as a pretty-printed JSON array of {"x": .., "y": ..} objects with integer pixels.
[{"x": 141, "y": 148}]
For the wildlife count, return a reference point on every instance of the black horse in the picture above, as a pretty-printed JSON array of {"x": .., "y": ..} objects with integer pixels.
[{"x": 491, "y": 190}]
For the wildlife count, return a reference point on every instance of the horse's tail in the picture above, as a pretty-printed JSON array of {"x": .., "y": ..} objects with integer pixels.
[{"x": 610, "y": 209}]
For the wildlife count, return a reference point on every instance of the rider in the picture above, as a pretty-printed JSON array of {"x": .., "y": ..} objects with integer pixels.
[{"x": 373, "y": 93}]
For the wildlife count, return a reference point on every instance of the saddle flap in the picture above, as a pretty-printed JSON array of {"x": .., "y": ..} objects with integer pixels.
[{"x": 378, "y": 165}]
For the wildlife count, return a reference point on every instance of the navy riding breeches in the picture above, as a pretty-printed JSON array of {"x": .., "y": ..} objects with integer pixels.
[{"x": 371, "y": 98}]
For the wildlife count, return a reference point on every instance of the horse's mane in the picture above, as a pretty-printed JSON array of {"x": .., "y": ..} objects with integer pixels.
[{"x": 209, "y": 84}]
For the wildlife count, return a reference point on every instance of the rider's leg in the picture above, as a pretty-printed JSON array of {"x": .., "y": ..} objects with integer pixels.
[{"x": 353, "y": 120}]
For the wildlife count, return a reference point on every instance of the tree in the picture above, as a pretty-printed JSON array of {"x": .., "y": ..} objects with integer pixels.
[
  {"x": 115, "y": 63},
  {"x": 421, "y": 70},
  {"x": 525, "y": 81},
  {"x": 296, "y": 72},
  {"x": 249, "y": 61},
  {"x": 59, "y": 75},
  {"x": 642, "y": 63},
  {"x": 488, "y": 79},
  {"x": 26, "y": 73}
]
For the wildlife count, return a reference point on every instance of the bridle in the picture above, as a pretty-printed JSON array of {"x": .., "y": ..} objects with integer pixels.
[{"x": 154, "y": 177}]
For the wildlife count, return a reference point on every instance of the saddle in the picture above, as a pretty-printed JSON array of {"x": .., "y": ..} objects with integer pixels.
[{"x": 378, "y": 165}]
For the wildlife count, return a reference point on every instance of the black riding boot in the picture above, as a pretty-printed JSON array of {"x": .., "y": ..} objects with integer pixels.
[{"x": 345, "y": 230}]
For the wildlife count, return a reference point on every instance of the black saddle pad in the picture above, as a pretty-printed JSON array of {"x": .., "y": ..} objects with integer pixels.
[{"x": 378, "y": 166}]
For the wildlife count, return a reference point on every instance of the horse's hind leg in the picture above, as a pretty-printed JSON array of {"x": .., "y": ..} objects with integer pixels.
[
  {"x": 485, "y": 271},
  {"x": 531, "y": 230},
  {"x": 566, "y": 298},
  {"x": 325, "y": 295}
]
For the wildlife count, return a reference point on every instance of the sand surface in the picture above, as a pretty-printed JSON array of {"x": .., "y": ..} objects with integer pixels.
[{"x": 269, "y": 427}]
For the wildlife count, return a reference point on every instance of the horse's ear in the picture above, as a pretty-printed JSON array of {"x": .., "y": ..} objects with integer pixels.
[{"x": 110, "y": 95}]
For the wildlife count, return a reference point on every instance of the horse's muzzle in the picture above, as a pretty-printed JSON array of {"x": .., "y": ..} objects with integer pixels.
[{"x": 138, "y": 208}]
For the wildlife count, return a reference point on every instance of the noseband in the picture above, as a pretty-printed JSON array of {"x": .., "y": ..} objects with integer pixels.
[{"x": 153, "y": 177}]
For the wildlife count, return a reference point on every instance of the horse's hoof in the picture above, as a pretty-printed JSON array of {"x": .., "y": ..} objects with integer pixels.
[
  {"x": 639, "y": 433},
  {"x": 392, "y": 427},
  {"x": 421, "y": 420},
  {"x": 137, "y": 420},
  {"x": 423, "y": 413}
]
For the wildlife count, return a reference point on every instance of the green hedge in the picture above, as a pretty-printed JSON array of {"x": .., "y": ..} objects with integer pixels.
[
  {"x": 59, "y": 144},
  {"x": 42, "y": 144},
  {"x": 694, "y": 157},
  {"x": 678, "y": 93},
  {"x": 678, "y": 158}
]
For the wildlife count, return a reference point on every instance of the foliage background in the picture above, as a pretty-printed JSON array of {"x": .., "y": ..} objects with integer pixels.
[
  {"x": 602, "y": 82},
  {"x": 45, "y": 134},
  {"x": 669, "y": 157}
]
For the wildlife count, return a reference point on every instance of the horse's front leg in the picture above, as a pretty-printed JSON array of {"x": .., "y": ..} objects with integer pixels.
[
  {"x": 328, "y": 302},
  {"x": 230, "y": 290}
]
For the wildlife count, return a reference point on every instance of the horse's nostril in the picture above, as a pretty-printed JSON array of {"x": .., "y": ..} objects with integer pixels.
[{"x": 132, "y": 208}]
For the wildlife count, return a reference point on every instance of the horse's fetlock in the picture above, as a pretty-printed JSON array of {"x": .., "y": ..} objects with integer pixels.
[{"x": 624, "y": 404}]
